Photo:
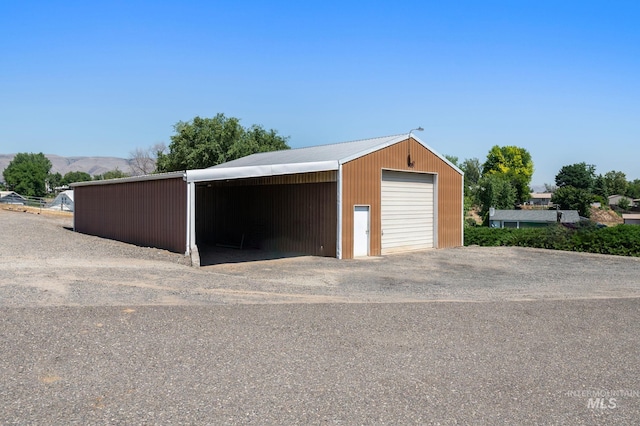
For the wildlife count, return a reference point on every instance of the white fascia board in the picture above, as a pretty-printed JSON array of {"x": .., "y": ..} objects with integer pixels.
[{"x": 224, "y": 173}]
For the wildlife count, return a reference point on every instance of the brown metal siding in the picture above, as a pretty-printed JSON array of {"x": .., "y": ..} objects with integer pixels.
[
  {"x": 283, "y": 217},
  {"x": 361, "y": 180},
  {"x": 146, "y": 213}
]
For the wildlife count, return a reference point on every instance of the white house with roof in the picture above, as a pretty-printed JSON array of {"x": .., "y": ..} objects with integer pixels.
[
  {"x": 614, "y": 200},
  {"x": 11, "y": 197},
  {"x": 63, "y": 201}
]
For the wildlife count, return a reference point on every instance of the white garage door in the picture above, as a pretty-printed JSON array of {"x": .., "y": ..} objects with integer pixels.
[{"x": 407, "y": 211}]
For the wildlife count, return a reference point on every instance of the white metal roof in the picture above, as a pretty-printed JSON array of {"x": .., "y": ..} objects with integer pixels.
[
  {"x": 289, "y": 161},
  {"x": 300, "y": 160}
]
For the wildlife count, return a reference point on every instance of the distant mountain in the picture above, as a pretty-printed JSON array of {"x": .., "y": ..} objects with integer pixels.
[{"x": 92, "y": 165}]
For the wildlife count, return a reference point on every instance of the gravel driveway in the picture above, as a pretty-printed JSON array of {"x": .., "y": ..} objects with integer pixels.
[
  {"x": 44, "y": 263},
  {"x": 94, "y": 331}
]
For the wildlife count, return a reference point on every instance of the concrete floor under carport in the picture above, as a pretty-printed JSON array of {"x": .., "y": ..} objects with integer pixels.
[{"x": 266, "y": 218}]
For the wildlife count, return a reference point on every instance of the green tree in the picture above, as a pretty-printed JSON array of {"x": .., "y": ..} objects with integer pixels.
[
  {"x": 111, "y": 174},
  {"x": 616, "y": 182},
  {"x": 72, "y": 177},
  {"x": 452, "y": 159},
  {"x": 600, "y": 187},
  {"x": 624, "y": 203},
  {"x": 572, "y": 198},
  {"x": 54, "y": 180},
  {"x": 495, "y": 191},
  {"x": 472, "y": 171},
  {"x": 205, "y": 142},
  {"x": 26, "y": 174},
  {"x": 579, "y": 175},
  {"x": 514, "y": 164},
  {"x": 633, "y": 189}
]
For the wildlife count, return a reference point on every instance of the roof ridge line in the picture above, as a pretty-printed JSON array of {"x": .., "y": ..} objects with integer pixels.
[{"x": 345, "y": 142}]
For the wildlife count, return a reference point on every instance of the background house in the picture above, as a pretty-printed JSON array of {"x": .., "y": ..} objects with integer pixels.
[
  {"x": 540, "y": 199},
  {"x": 614, "y": 200},
  {"x": 63, "y": 201},
  {"x": 367, "y": 197},
  {"x": 531, "y": 218},
  {"x": 11, "y": 197}
]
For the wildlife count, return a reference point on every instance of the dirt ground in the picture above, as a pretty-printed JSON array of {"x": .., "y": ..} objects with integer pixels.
[
  {"x": 44, "y": 263},
  {"x": 607, "y": 217}
]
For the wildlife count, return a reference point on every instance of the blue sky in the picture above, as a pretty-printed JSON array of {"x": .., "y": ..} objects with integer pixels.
[{"x": 559, "y": 78}]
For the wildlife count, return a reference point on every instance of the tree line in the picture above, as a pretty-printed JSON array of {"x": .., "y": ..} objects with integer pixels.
[
  {"x": 503, "y": 180},
  {"x": 196, "y": 144},
  {"x": 578, "y": 186}
]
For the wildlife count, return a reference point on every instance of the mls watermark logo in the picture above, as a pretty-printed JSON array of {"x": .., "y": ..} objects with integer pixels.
[
  {"x": 604, "y": 399},
  {"x": 602, "y": 403}
]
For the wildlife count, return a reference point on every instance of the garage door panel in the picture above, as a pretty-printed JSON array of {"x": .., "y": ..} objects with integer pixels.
[
  {"x": 400, "y": 228},
  {"x": 407, "y": 213}
]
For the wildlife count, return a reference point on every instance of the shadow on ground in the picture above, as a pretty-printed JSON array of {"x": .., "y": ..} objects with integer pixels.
[{"x": 216, "y": 255}]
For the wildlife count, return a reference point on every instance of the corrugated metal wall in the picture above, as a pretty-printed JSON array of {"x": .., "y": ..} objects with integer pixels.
[
  {"x": 361, "y": 181},
  {"x": 149, "y": 213},
  {"x": 292, "y": 214}
]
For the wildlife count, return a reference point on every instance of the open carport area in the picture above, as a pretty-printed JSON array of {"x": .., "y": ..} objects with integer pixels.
[{"x": 98, "y": 331}]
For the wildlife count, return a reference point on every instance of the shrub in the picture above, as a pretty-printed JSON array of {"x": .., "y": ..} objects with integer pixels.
[{"x": 621, "y": 240}]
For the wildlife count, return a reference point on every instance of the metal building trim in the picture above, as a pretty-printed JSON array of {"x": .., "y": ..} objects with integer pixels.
[
  {"x": 339, "y": 209},
  {"x": 224, "y": 173}
]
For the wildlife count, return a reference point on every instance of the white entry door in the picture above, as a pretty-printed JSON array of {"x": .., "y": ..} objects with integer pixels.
[{"x": 361, "y": 231}]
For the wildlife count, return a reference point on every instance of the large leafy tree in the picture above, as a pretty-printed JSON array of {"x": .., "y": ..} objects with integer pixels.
[
  {"x": 26, "y": 174},
  {"x": 205, "y": 142},
  {"x": 514, "y": 164},
  {"x": 572, "y": 198},
  {"x": 579, "y": 175},
  {"x": 495, "y": 191},
  {"x": 616, "y": 182}
]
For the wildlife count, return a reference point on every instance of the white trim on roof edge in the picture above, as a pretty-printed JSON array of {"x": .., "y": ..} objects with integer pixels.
[
  {"x": 203, "y": 175},
  {"x": 437, "y": 154}
]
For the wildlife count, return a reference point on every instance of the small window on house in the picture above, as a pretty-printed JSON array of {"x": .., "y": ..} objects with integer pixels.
[{"x": 510, "y": 224}]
